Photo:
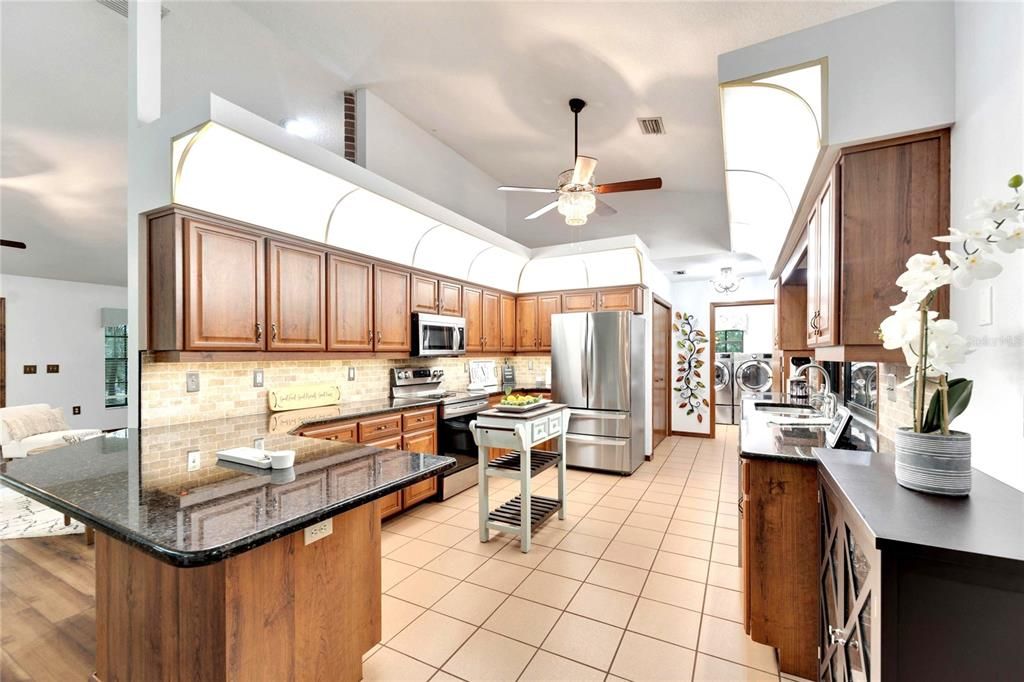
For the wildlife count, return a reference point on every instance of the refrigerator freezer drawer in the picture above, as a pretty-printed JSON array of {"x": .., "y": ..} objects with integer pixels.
[
  {"x": 598, "y": 452},
  {"x": 597, "y": 423}
]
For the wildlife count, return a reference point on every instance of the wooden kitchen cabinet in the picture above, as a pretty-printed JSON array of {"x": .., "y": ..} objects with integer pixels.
[
  {"x": 473, "y": 310},
  {"x": 625, "y": 298},
  {"x": 451, "y": 298},
  {"x": 526, "y": 323},
  {"x": 391, "y": 309},
  {"x": 349, "y": 304},
  {"x": 579, "y": 302},
  {"x": 508, "y": 324},
  {"x": 491, "y": 321},
  {"x": 547, "y": 305},
  {"x": 296, "y": 300},
  {"x": 425, "y": 294},
  {"x": 821, "y": 250},
  {"x": 375, "y": 428},
  {"x": 225, "y": 305},
  {"x": 790, "y": 316}
]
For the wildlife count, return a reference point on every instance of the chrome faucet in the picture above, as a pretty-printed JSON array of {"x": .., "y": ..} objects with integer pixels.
[{"x": 829, "y": 403}]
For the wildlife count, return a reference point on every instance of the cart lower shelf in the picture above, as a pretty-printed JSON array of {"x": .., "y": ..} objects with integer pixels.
[
  {"x": 509, "y": 514},
  {"x": 540, "y": 460}
]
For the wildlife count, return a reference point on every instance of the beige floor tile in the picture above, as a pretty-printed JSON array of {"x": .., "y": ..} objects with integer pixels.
[
  {"x": 499, "y": 575},
  {"x": 699, "y": 503},
  {"x": 473, "y": 545},
  {"x": 695, "y": 515},
  {"x": 633, "y": 494},
  {"x": 723, "y": 575},
  {"x": 489, "y": 656},
  {"x": 423, "y": 588},
  {"x": 393, "y": 572},
  {"x": 600, "y": 603},
  {"x": 432, "y": 638},
  {"x": 642, "y": 658},
  {"x": 688, "y": 594},
  {"x": 680, "y": 544},
  {"x": 730, "y": 522},
  {"x": 584, "y": 496},
  {"x": 728, "y": 508},
  {"x": 660, "y": 498},
  {"x": 617, "y": 502},
  {"x": 388, "y": 665},
  {"x": 681, "y": 566},
  {"x": 374, "y": 649},
  {"x": 469, "y": 602},
  {"x": 446, "y": 535},
  {"x": 726, "y": 639},
  {"x": 655, "y": 509},
  {"x": 723, "y": 554},
  {"x": 548, "y": 588},
  {"x": 640, "y": 536},
  {"x": 409, "y": 526},
  {"x": 601, "y": 529},
  {"x": 724, "y": 603},
  {"x": 523, "y": 620},
  {"x": 456, "y": 563},
  {"x": 468, "y": 519},
  {"x": 581, "y": 543},
  {"x": 567, "y": 564},
  {"x": 548, "y": 537},
  {"x": 513, "y": 554},
  {"x": 395, "y": 615},
  {"x": 389, "y": 542},
  {"x": 647, "y": 521},
  {"x": 701, "y": 531},
  {"x": 442, "y": 676},
  {"x": 631, "y": 555},
  {"x": 434, "y": 512},
  {"x": 417, "y": 553},
  {"x": 609, "y": 514},
  {"x": 583, "y": 640},
  {"x": 710, "y": 669},
  {"x": 666, "y": 622},
  {"x": 547, "y": 667},
  {"x": 618, "y": 577}
]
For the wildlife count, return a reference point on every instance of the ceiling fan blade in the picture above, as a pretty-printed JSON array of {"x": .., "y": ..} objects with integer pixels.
[
  {"x": 583, "y": 172},
  {"x": 541, "y": 211},
  {"x": 13, "y": 244},
  {"x": 603, "y": 208},
  {"x": 628, "y": 186},
  {"x": 510, "y": 188}
]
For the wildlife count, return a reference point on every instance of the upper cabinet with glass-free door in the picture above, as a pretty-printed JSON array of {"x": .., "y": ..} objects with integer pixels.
[{"x": 295, "y": 296}]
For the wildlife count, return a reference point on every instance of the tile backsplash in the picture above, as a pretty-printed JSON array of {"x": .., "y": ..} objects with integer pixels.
[
  {"x": 893, "y": 414},
  {"x": 226, "y": 390}
]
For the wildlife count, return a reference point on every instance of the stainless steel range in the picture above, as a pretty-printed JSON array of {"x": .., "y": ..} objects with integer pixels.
[{"x": 458, "y": 409}]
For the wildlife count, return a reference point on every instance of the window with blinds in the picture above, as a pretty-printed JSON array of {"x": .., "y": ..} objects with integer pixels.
[{"x": 116, "y": 365}]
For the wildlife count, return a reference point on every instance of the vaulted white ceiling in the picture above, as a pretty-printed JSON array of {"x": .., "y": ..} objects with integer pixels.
[{"x": 490, "y": 80}]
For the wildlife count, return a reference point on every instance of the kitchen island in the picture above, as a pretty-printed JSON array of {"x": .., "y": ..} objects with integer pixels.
[{"x": 216, "y": 571}]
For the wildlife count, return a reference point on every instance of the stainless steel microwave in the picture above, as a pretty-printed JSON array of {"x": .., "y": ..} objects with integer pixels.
[{"x": 438, "y": 335}]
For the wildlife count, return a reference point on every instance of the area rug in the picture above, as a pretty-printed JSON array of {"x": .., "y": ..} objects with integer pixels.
[{"x": 21, "y": 517}]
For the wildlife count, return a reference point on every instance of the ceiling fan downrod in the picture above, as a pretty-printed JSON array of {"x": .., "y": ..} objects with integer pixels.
[{"x": 576, "y": 106}]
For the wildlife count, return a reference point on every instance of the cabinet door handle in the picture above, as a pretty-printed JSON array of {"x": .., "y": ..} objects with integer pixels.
[
  {"x": 835, "y": 636},
  {"x": 273, "y": 331},
  {"x": 259, "y": 331},
  {"x": 369, "y": 336}
]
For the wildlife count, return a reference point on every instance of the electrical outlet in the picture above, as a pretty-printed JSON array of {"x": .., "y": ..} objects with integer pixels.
[
  {"x": 53, "y": 369},
  {"x": 351, "y": 373},
  {"x": 29, "y": 369},
  {"x": 257, "y": 378},
  {"x": 77, "y": 409},
  {"x": 259, "y": 443},
  {"x": 193, "y": 460},
  {"x": 890, "y": 387},
  {"x": 192, "y": 382},
  {"x": 318, "y": 531},
  {"x": 529, "y": 365}
]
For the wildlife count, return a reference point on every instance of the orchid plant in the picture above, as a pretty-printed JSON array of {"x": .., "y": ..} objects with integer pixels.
[{"x": 930, "y": 345}]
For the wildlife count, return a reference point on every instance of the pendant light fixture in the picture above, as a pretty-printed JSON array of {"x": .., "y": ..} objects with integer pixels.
[{"x": 726, "y": 282}]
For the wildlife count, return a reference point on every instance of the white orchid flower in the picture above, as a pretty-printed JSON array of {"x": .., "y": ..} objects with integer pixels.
[
  {"x": 1012, "y": 240},
  {"x": 945, "y": 347},
  {"x": 968, "y": 268},
  {"x": 994, "y": 210},
  {"x": 903, "y": 327},
  {"x": 974, "y": 238},
  {"x": 925, "y": 273}
]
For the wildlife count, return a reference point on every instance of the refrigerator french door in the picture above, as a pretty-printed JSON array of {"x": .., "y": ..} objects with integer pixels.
[{"x": 598, "y": 369}]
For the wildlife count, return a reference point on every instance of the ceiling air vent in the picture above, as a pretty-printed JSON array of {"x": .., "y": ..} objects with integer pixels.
[
  {"x": 651, "y": 125},
  {"x": 121, "y": 7}
]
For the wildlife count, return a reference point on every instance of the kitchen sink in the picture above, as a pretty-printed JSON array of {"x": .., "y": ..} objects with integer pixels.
[{"x": 792, "y": 414}]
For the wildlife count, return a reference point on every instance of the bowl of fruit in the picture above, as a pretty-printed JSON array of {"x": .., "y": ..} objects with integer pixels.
[{"x": 515, "y": 402}]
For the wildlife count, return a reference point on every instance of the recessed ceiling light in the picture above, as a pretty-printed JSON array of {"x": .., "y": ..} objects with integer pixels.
[{"x": 301, "y": 127}]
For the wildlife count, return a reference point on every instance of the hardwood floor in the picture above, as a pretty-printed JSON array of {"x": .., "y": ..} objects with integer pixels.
[{"x": 47, "y": 609}]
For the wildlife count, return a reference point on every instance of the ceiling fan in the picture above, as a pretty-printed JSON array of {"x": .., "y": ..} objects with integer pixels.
[{"x": 576, "y": 189}]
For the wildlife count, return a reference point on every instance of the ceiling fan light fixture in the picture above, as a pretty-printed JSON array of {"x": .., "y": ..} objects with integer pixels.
[{"x": 576, "y": 206}]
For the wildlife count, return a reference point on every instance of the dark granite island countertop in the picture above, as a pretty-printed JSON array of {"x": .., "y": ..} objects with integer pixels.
[{"x": 135, "y": 486}]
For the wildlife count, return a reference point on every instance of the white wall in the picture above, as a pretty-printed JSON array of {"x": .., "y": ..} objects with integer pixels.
[
  {"x": 987, "y": 148},
  {"x": 52, "y": 321},
  {"x": 890, "y": 69},
  {"x": 756, "y": 321},
  {"x": 695, "y": 297},
  {"x": 390, "y": 144}
]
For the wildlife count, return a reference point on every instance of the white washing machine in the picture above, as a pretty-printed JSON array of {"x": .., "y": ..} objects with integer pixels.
[
  {"x": 752, "y": 373},
  {"x": 723, "y": 388}
]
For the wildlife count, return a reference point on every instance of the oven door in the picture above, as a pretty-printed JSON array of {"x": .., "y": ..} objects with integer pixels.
[{"x": 438, "y": 335}]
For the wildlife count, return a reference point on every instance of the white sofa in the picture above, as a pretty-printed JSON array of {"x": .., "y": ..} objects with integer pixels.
[{"x": 39, "y": 441}]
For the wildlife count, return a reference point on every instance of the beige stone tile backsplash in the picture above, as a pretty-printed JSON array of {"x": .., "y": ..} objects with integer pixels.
[
  {"x": 894, "y": 414},
  {"x": 226, "y": 387}
]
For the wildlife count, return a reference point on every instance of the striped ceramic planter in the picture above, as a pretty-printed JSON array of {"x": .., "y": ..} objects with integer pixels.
[{"x": 934, "y": 463}]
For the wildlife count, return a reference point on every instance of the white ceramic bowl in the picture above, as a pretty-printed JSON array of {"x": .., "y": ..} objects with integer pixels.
[{"x": 282, "y": 459}]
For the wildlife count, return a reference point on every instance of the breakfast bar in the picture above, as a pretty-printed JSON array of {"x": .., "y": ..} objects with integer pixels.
[{"x": 207, "y": 570}]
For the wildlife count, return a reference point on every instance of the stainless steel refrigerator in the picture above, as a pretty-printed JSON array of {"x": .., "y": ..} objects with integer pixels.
[{"x": 598, "y": 369}]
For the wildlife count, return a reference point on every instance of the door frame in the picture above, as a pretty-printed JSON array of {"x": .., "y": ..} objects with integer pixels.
[
  {"x": 659, "y": 301},
  {"x": 711, "y": 338}
]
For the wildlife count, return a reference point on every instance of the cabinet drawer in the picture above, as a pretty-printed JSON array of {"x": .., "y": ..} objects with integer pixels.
[
  {"x": 342, "y": 433},
  {"x": 417, "y": 492},
  {"x": 390, "y": 504},
  {"x": 555, "y": 424},
  {"x": 392, "y": 443},
  {"x": 419, "y": 419},
  {"x": 380, "y": 427},
  {"x": 540, "y": 430}
]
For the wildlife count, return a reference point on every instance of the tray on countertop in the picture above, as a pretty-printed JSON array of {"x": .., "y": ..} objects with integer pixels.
[{"x": 522, "y": 408}]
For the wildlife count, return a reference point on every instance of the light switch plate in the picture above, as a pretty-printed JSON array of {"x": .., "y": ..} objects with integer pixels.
[
  {"x": 193, "y": 460},
  {"x": 257, "y": 378},
  {"x": 985, "y": 306},
  {"x": 318, "y": 531},
  {"x": 259, "y": 443},
  {"x": 890, "y": 387},
  {"x": 351, "y": 373},
  {"x": 191, "y": 382}
]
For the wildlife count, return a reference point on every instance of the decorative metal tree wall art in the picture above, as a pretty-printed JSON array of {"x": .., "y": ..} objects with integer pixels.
[{"x": 692, "y": 344}]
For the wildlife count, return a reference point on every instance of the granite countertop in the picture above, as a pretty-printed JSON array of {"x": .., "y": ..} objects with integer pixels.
[
  {"x": 134, "y": 485},
  {"x": 987, "y": 523},
  {"x": 761, "y": 439}
]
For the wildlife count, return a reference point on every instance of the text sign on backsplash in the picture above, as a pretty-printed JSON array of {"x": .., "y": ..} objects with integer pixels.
[{"x": 300, "y": 397}]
